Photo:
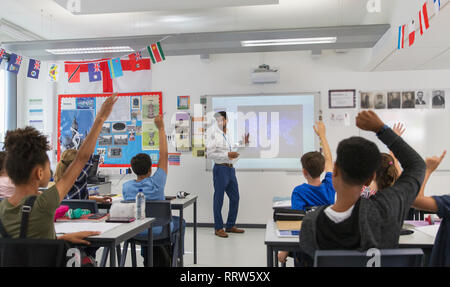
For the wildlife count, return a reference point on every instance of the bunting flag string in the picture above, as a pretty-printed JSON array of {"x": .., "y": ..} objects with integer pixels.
[
  {"x": 424, "y": 24},
  {"x": 135, "y": 60}
]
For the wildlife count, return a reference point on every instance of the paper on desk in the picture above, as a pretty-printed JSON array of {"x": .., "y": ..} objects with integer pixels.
[
  {"x": 283, "y": 203},
  {"x": 69, "y": 227},
  {"x": 429, "y": 230},
  {"x": 289, "y": 225}
]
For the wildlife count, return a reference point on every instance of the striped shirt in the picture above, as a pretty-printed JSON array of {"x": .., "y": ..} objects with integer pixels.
[{"x": 79, "y": 189}]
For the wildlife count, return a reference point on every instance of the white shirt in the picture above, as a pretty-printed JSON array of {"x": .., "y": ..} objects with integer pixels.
[
  {"x": 338, "y": 217},
  {"x": 218, "y": 145}
]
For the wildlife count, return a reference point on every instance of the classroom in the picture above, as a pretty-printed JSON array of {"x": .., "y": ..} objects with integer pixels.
[{"x": 207, "y": 133}]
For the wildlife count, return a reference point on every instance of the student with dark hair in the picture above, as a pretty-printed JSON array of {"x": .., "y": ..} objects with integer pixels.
[
  {"x": 28, "y": 166},
  {"x": 6, "y": 186},
  {"x": 440, "y": 254},
  {"x": 152, "y": 185},
  {"x": 353, "y": 222},
  {"x": 315, "y": 192}
]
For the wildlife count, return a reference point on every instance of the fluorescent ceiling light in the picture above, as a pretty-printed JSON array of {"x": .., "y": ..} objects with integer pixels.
[
  {"x": 282, "y": 42},
  {"x": 95, "y": 50}
]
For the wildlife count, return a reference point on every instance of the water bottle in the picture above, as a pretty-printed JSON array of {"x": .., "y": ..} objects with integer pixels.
[{"x": 140, "y": 205}]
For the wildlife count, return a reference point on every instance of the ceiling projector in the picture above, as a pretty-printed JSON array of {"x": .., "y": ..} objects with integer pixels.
[{"x": 264, "y": 75}]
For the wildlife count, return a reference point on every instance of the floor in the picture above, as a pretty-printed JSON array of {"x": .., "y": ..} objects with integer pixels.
[{"x": 238, "y": 250}]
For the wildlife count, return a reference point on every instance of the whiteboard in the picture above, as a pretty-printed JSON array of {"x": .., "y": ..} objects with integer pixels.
[
  {"x": 427, "y": 131},
  {"x": 296, "y": 115}
]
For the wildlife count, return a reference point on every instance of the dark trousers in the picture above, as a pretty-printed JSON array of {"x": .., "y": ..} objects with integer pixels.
[{"x": 225, "y": 181}]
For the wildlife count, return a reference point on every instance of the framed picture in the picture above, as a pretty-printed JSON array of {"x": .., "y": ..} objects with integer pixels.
[
  {"x": 342, "y": 99},
  {"x": 183, "y": 102}
]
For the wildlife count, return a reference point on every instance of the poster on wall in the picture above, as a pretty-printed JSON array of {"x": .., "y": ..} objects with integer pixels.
[
  {"x": 123, "y": 135},
  {"x": 342, "y": 99}
]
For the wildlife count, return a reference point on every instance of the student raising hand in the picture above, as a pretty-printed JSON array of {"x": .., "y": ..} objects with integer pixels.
[
  {"x": 399, "y": 129},
  {"x": 369, "y": 121},
  {"x": 433, "y": 162}
]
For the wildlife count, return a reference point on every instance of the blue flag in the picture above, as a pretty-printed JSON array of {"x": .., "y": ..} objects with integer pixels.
[
  {"x": 94, "y": 72},
  {"x": 33, "y": 69},
  {"x": 115, "y": 68},
  {"x": 14, "y": 63}
]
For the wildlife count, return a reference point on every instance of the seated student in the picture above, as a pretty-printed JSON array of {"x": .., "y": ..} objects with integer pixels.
[
  {"x": 152, "y": 186},
  {"x": 388, "y": 171},
  {"x": 315, "y": 192},
  {"x": 440, "y": 255},
  {"x": 79, "y": 189},
  {"x": 353, "y": 222},
  {"x": 6, "y": 186},
  {"x": 28, "y": 166}
]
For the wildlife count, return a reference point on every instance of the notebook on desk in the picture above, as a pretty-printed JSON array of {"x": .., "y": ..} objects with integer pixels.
[{"x": 288, "y": 228}]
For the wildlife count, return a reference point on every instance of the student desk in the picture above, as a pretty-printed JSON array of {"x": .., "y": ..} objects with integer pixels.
[
  {"x": 274, "y": 243},
  {"x": 111, "y": 240},
  {"x": 180, "y": 204}
]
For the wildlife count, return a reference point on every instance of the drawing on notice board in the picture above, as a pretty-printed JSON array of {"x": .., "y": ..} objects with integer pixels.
[
  {"x": 150, "y": 107},
  {"x": 150, "y": 136}
]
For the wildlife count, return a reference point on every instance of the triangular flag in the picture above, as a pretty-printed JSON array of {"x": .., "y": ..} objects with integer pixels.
[
  {"x": 73, "y": 73},
  {"x": 34, "y": 67},
  {"x": 156, "y": 53},
  {"x": 423, "y": 17},
  {"x": 14, "y": 63},
  {"x": 401, "y": 37},
  {"x": 115, "y": 68},
  {"x": 412, "y": 32},
  {"x": 437, "y": 6}
]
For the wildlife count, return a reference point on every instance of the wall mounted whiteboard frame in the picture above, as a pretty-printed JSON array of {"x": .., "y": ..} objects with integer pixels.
[{"x": 317, "y": 106}]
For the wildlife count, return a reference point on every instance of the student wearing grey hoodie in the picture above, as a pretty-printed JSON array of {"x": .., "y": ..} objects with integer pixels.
[{"x": 356, "y": 223}]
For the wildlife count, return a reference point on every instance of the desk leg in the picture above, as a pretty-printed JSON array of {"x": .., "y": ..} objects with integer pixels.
[
  {"x": 119, "y": 254},
  {"x": 195, "y": 232},
  {"x": 269, "y": 256},
  {"x": 181, "y": 238},
  {"x": 124, "y": 254},
  {"x": 150, "y": 247},
  {"x": 104, "y": 256},
  {"x": 112, "y": 256}
]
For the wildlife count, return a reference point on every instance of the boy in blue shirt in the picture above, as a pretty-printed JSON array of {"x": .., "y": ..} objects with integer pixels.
[
  {"x": 315, "y": 192},
  {"x": 152, "y": 186}
]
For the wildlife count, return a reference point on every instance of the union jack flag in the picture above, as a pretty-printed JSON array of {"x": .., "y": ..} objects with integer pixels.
[
  {"x": 19, "y": 60},
  {"x": 138, "y": 55},
  {"x": 96, "y": 67},
  {"x": 37, "y": 65}
]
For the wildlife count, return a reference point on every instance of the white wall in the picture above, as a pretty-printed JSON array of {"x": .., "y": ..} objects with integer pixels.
[{"x": 230, "y": 74}]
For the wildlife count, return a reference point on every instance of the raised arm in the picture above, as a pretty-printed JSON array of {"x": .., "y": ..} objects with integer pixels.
[
  {"x": 87, "y": 148},
  {"x": 409, "y": 183},
  {"x": 398, "y": 130},
  {"x": 423, "y": 202},
  {"x": 163, "y": 155},
  {"x": 320, "y": 130}
]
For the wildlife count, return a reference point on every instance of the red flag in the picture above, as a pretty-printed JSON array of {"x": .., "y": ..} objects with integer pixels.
[
  {"x": 412, "y": 33},
  {"x": 73, "y": 73},
  {"x": 423, "y": 18},
  {"x": 137, "y": 62}
]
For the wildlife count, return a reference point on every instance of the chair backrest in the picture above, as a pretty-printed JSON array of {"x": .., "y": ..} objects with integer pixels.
[
  {"x": 402, "y": 257},
  {"x": 80, "y": 203},
  {"x": 162, "y": 212},
  {"x": 17, "y": 252},
  {"x": 414, "y": 214}
]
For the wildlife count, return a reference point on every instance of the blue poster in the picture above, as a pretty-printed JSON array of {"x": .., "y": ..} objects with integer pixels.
[{"x": 75, "y": 125}]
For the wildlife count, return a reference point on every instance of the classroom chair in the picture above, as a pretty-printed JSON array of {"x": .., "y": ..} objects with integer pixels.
[
  {"x": 162, "y": 212},
  {"x": 18, "y": 252},
  {"x": 402, "y": 257},
  {"x": 80, "y": 203}
]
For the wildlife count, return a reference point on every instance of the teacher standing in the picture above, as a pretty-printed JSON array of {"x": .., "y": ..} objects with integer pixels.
[{"x": 221, "y": 151}]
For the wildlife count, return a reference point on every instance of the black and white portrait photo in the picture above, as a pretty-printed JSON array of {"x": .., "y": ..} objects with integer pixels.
[
  {"x": 380, "y": 100},
  {"x": 438, "y": 99},
  {"x": 366, "y": 100},
  {"x": 408, "y": 100},
  {"x": 422, "y": 99},
  {"x": 394, "y": 100}
]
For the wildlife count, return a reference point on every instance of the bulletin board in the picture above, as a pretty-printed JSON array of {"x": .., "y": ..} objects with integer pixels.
[{"x": 129, "y": 130}]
